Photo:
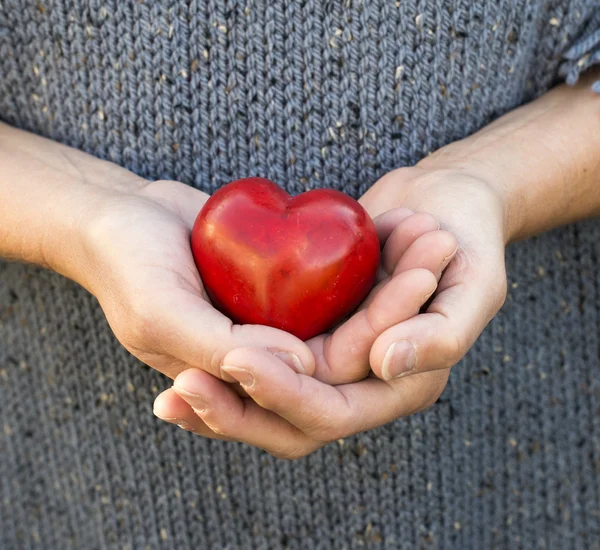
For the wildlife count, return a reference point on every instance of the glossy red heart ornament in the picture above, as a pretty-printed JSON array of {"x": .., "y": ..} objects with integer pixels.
[{"x": 300, "y": 264}]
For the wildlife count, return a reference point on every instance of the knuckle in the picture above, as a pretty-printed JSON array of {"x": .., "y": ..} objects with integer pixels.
[{"x": 452, "y": 347}]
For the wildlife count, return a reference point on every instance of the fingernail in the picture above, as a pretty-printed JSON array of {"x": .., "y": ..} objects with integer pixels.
[
  {"x": 244, "y": 377},
  {"x": 197, "y": 402},
  {"x": 448, "y": 258},
  {"x": 428, "y": 295},
  {"x": 172, "y": 420},
  {"x": 445, "y": 263},
  {"x": 424, "y": 301},
  {"x": 400, "y": 360},
  {"x": 291, "y": 360}
]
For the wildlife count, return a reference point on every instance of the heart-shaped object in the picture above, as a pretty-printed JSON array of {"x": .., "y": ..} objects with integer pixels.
[{"x": 300, "y": 264}]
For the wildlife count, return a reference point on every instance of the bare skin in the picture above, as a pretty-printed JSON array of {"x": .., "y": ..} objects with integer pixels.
[{"x": 126, "y": 240}]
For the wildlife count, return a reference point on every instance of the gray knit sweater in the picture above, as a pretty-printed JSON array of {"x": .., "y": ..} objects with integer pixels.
[{"x": 330, "y": 93}]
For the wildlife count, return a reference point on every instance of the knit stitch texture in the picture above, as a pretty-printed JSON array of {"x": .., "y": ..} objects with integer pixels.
[{"x": 310, "y": 94}]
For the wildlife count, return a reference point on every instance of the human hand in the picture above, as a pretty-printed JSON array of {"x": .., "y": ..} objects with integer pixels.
[
  {"x": 411, "y": 264},
  {"x": 472, "y": 288},
  {"x": 139, "y": 265},
  {"x": 126, "y": 240}
]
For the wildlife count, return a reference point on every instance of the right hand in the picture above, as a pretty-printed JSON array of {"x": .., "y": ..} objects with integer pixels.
[{"x": 138, "y": 263}]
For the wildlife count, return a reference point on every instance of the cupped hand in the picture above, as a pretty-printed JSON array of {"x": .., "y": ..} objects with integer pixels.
[
  {"x": 291, "y": 415},
  {"x": 139, "y": 265},
  {"x": 342, "y": 356},
  {"x": 471, "y": 290}
]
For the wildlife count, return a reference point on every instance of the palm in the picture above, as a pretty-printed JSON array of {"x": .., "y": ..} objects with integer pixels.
[{"x": 151, "y": 291}]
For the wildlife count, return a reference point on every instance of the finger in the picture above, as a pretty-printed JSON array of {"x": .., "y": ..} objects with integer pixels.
[
  {"x": 403, "y": 236},
  {"x": 432, "y": 251},
  {"x": 409, "y": 228},
  {"x": 344, "y": 355},
  {"x": 385, "y": 223},
  {"x": 439, "y": 338},
  {"x": 323, "y": 412},
  {"x": 170, "y": 407},
  {"x": 241, "y": 419},
  {"x": 189, "y": 330},
  {"x": 173, "y": 366}
]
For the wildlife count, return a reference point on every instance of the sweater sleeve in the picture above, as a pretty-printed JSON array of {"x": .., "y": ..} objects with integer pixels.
[{"x": 584, "y": 53}]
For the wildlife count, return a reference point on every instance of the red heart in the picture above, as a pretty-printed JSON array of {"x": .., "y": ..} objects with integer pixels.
[{"x": 300, "y": 264}]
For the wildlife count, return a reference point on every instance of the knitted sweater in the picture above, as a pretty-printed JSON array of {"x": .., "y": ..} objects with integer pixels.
[{"x": 331, "y": 93}]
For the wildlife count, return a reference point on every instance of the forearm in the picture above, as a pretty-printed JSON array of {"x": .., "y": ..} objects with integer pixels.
[
  {"x": 46, "y": 192},
  {"x": 544, "y": 158}
]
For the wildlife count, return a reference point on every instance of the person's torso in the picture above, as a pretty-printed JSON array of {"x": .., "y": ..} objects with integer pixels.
[{"x": 310, "y": 94}]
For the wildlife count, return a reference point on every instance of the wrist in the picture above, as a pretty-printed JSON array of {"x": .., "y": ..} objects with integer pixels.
[
  {"x": 477, "y": 177},
  {"x": 48, "y": 192},
  {"x": 542, "y": 159},
  {"x": 64, "y": 239}
]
